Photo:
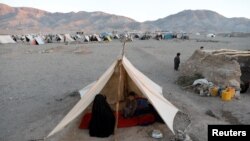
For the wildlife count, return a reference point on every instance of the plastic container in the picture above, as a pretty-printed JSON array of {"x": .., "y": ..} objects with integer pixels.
[
  {"x": 232, "y": 91},
  {"x": 226, "y": 95},
  {"x": 214, "y": 91}
]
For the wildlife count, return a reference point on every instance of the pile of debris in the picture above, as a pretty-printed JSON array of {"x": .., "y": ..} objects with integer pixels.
[
  {"x": 218, "y": 66},
  {"x": 217, "y": 72}
]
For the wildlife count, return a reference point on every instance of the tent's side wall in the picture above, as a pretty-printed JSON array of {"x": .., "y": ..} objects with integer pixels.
[
  {"x": 165, "y": 109},
  {"x": 132, "y": 87},
  {"x": 110, "y": 90},
  {"x": 4, "y": 39},
  {"x": 85, "y": 101},
  {"x": 68, "y": 38},
  {"x": 39, "y": 40}
]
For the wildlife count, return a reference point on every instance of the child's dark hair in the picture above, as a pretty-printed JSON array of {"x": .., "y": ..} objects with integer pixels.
[{"x": 132, "y": 94}]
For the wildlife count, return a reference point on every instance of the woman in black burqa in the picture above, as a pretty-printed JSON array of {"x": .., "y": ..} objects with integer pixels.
[{"x": 102, "y": 122}]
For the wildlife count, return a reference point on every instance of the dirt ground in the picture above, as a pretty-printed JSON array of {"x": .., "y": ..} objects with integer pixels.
[{"x": 37, "y": 85}]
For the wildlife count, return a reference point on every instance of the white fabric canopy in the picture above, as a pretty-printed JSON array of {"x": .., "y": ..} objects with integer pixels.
[
  {"x": 68, "y": 38},
  {"x": 147, "y": 87},
  {"x": 86, "y": 99},
  {"x": 86, "y": 89},
  {"x": 4, "y": 39},
  {"x": 39, "y": 40}
]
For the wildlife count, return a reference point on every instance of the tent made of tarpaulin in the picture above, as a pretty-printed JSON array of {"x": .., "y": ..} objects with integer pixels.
[
  {"x": 107, "y": 38},
  {"x": 119, "y": 79},
  {"x": 5, "y": 39},
  {"x": 37, "y": 41},
  {"x": 104, "y": 34},
  {"x": 95, "y": 37},
  {"x": 86, "y": 38},
  {"x": 211, "y": 35},
  {"x": 29, "y": 38},
  {"x": 116, "y": 36},
  {"x": 67, "y": 38},
  {"x": 60, "y": 37},
  {"x": 168, "y": 36}
]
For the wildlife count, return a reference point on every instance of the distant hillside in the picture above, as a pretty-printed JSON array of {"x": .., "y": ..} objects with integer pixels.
[
  {"x": 202, "y": 20},
  {"x": 39, "y": 20},
  {"x": 25, "y": 19}
]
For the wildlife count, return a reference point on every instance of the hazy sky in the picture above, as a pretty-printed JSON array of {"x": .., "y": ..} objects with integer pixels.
[{"x": 139, "y": 10}]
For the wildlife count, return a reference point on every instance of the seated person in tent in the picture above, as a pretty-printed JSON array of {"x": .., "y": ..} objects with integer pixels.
[
  {"x": 102, "y": 122},
  {"x": 130, "y": 106},
  {"x": 142, "y": 106}
]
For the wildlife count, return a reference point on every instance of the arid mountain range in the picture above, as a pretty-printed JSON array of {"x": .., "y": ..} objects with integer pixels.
[{"x": 25, "y": 20}]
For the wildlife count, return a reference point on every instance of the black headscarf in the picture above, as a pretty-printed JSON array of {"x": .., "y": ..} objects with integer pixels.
[{"x": 102, "y": 122}]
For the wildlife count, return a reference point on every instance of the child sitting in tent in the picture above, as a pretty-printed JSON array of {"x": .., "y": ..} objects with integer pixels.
[
  {"x": 130, "y": 106},
  {"x": 102, "y": 122}
]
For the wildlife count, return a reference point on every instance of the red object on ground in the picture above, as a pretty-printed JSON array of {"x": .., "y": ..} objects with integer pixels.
[
  {"x": 85, "y": 121},
  {"x": 122, "y": 122}
]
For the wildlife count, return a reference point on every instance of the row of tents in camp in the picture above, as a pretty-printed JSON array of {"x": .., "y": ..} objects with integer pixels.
[
  {"x": 33, "y": 40},
  {"x": 67, "y": 38},
  {"x": 53, "y": 38},
  {"x": 162, "y": 36}
]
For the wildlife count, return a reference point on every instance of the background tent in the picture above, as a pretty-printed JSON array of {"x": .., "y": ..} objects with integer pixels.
[
  {"x": 86, "y": 38},
  {"x": 116, "y": 36},
  {"x": 67, "y": 38},
  {"x": 211, "y": 35},
  {"x": 95, "y": 37},
  {"x": 29, "y": 38},
  {"x": 107, "y": 38},
  {"x": 4, "y": 39},
  {"x": 119, "y": 79},
  {"x": 168, "y": 36},
  {"x": 37, "y": 41},
  {"x": 59, "y": 38}
]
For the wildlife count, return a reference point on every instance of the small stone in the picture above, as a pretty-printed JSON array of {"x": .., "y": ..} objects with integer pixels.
[
  {"x": 237, "y": 96},
  {"x": 187, "y": 138}
]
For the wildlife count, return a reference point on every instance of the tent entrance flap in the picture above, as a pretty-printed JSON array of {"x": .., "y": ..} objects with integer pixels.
[{"x": 112, "y": 87}]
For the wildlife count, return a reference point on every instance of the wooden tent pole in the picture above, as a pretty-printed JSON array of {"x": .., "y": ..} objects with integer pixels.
[
  {"x": 120, "y": 89},
  {"x": 123, "y": 48}
]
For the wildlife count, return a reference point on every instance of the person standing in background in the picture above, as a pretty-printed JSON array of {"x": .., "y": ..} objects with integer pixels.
[{"x": 177, "y": 61}]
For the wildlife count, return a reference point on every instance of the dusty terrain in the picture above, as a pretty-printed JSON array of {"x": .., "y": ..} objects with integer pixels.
[{"x": 37, "y": 85}]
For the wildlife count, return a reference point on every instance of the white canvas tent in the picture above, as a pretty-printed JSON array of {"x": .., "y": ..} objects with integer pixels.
[
  {"x": 211, "y": 35},
  {"x": 29, "y": 38},
  {"x": 60, "y": 37},
  {"x": 86, "y": 38},
  {"x": 39, "y": 40},
  {"x": 5, "y": 39},
  {"x": 68, "y": 38},
  {"x": 120, "y": 77}
]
